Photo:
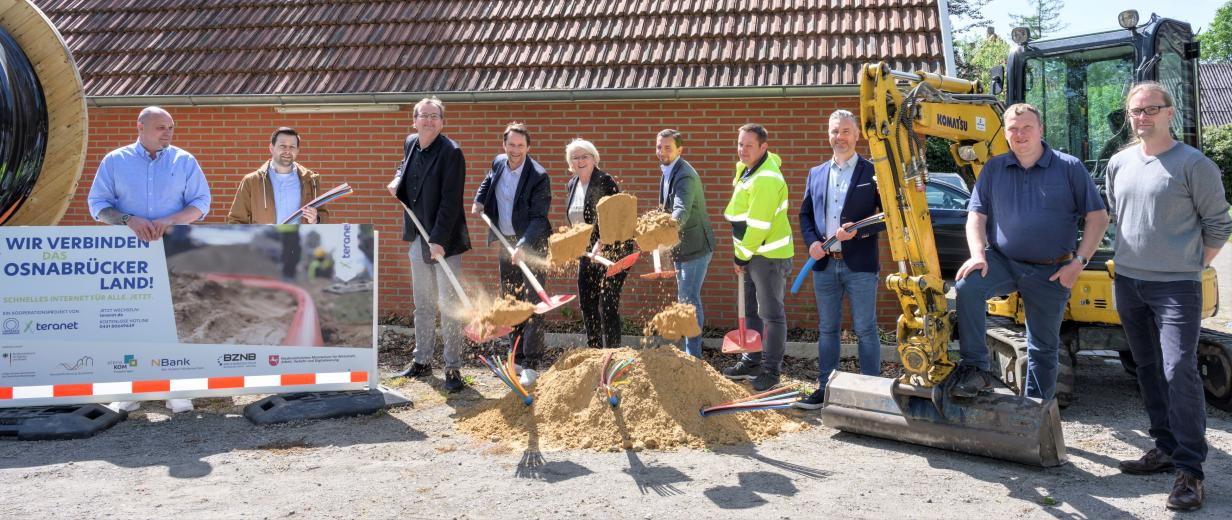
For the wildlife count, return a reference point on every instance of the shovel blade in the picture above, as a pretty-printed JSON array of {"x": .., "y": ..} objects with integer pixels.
[
  {"x": 998, "y": 424},
  {"x": 623, "y": 264},
  {"x": 658, "y": 274},
  {"x": 474, "y": 334},
  {"x": 733, "y": 343},
  {"x": 552, "y": 302}
]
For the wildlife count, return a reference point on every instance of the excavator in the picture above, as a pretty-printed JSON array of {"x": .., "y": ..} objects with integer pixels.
[{"x": 1078, "y": 84}]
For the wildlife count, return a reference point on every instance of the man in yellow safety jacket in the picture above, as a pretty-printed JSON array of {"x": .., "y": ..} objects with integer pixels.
[{"x": 762, "y": 236}]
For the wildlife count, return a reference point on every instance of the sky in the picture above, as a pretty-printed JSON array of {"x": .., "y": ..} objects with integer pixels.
[{"x": 1088, "y": 16}]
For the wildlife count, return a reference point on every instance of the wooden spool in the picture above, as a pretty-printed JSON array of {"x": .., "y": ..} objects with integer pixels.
[{"x": 66, "y": 113}]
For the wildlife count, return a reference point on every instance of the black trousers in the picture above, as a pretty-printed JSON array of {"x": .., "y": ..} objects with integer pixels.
[
  {"x": 529, "y": 334},
  {"x": 599, "y": 297}
]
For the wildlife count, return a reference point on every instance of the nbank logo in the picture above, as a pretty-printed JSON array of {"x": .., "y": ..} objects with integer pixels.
[{"x": 168, "y": 363}]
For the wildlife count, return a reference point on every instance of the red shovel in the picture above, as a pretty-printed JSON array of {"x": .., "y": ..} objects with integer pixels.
[
  {"x": 743, "y": 339},
  {"x": 658, "y": 266},
  {"x": 546, "y": 303},
  {"x": 613, "y": 268},
  {"x": 470, "y": 330}
]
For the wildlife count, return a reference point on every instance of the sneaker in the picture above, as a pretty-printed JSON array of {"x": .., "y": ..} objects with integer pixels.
[
  {"x": 814, "y": 401},
  {"x": 124, "y": 406},
  {"x": 415, "y": 370},
  {"x": 970, "y": 382},
  {"x": 453, "y": 381},
  {"x": 765, "y": 381},
  {"x": 528, "y": 377},
  {"x": 1155, "y": 461},
  {"x": 741, "y": 370},
  {"x": 1187, "y": 493},
  {"x": 180, "y": 405}
]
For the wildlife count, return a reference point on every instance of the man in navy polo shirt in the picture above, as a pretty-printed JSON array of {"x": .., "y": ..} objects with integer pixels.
[{"x": 1022, "y": 225}]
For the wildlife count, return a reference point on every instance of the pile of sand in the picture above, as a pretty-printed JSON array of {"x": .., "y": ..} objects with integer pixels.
[
  {"x": 568, "y": 243},
  {"x": 656, "y": 229},
  {"x": 678, "y": 320},
  {"x": 658, "y": 408},
  {"x": 505, "y": 311},
  {"x": 617, "y": 216},
  {"x": 229, "y": 312}
]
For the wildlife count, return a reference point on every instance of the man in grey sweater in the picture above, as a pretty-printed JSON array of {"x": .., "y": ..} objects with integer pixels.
[{"x": 1168, "y": 201}]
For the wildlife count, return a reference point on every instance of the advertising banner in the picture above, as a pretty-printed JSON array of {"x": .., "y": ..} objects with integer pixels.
[{"x": 92, "y": 314}]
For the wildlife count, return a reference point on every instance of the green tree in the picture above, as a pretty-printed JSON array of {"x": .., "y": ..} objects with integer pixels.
[
  {"x": 1043, "y": 19},
  {"x": 1217, "y": 144},
  {"x": 1217, "y": 39}
]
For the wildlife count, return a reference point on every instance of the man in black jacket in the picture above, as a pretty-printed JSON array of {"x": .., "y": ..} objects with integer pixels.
[
  {"x": 680, "y": 194},
  {"x": 430, "y": 182},
  {"x": 516, "y": 194}
]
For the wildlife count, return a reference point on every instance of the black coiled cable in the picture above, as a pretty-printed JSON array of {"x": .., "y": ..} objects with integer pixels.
[{"x": 23, "y": 127}]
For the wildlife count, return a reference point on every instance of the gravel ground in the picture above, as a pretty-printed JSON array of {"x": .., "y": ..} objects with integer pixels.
[{"x": 412, "y": 463}]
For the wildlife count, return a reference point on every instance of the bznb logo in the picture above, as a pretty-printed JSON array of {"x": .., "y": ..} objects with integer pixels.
[{"x": 234, "y": 359}]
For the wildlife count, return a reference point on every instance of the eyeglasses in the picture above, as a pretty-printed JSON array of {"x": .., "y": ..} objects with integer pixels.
[
  {"x": 577, "y": 158},
  {"x": 429, "y": 117},
  {"x": 1148, "y": 110}
]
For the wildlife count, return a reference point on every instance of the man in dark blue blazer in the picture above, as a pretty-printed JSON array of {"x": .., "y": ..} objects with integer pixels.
[
  {"x": 516, "y": 194},
  {"x": 840, "y": 192}
]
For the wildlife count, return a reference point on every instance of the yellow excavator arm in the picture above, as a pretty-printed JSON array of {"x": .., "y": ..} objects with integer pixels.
[{"x": 897, "y": 111}]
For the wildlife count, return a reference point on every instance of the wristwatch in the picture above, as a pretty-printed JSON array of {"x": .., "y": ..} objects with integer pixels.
[
  {"x": 1082, "y": 259},
  {"x": 124, "y": 219}
]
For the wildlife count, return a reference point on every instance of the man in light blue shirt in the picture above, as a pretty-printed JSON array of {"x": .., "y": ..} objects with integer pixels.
[{"x": 149, "y": 185}]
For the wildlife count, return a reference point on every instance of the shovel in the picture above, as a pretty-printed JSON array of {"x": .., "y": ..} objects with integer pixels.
[
  {"x": 658, "y": 266},
  {"x": 546, "y": 303},
  {"x": 471, "y": 330},
  {"x": 613, "y": 268},
  {"x": 741, "y": 340}
]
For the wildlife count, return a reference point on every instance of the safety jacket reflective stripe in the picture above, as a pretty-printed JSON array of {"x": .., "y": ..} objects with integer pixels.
[{"x": 758, "y": 212}]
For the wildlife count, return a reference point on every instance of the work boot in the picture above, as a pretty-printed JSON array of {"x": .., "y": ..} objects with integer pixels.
[
  {"x": 415, "y": 370},
  {"x": 1186, "y": 493},
  {"x": 765, "y": 381},
  {"x": 1155, "y": 461},
  {"x": 971, "y": 382},
  {"x": 453, "y": 381},
  {"x": 741, "y": 370},
  {"x": 813, "y": 402}
]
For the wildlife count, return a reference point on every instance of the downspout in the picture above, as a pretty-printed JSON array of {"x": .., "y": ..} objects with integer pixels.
[{"x": 947, "y": 37}]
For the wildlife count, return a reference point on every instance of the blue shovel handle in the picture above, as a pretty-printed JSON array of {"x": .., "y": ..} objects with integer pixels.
[{"x": 808, "y": 266}]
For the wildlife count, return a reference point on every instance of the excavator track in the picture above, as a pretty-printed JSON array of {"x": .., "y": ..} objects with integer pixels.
[{"x": 1007, "y": 344}]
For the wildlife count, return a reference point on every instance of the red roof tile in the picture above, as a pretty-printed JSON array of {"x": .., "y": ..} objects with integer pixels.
[{"x": 241, "y": 47}]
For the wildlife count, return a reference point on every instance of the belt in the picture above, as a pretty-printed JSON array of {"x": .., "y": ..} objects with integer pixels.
[
  {"x": 837, "y": 255},
  {"x": 1058, "y": 260}
]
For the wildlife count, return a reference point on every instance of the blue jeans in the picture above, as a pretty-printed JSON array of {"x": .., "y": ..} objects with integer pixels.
[
  {"x": 1162, "y": 321},
  {"x": 829, "y": 285},
  {"x": 690, "y": 274},
  {"x": 1044, "y": 301}
]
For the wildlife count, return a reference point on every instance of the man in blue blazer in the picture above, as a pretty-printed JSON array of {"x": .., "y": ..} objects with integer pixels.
[
  {"x": 516, "y": 194},
  {"x": 840, "y": 192}
]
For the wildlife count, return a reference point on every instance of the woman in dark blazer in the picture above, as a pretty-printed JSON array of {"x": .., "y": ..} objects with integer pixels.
[{"x": 599, "y": 296}]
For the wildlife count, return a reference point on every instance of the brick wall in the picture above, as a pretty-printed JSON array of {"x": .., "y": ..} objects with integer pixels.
[{"x": 364, "y": 149}]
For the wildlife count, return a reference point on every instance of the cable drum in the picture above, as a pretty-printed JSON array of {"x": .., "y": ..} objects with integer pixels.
[{"x": 23, "y": 126}]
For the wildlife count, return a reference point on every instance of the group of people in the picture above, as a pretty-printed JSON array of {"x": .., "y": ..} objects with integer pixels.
[
  {"x": 515, "y": 195},
  {"x": 1022, "y": 233}
]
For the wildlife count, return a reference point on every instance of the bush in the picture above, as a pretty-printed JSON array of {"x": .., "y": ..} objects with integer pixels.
[{"x": 1217, "y": 144}]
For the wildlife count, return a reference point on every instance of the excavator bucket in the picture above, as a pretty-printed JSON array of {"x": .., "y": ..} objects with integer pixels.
[{"x": 998, "y": 424}]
